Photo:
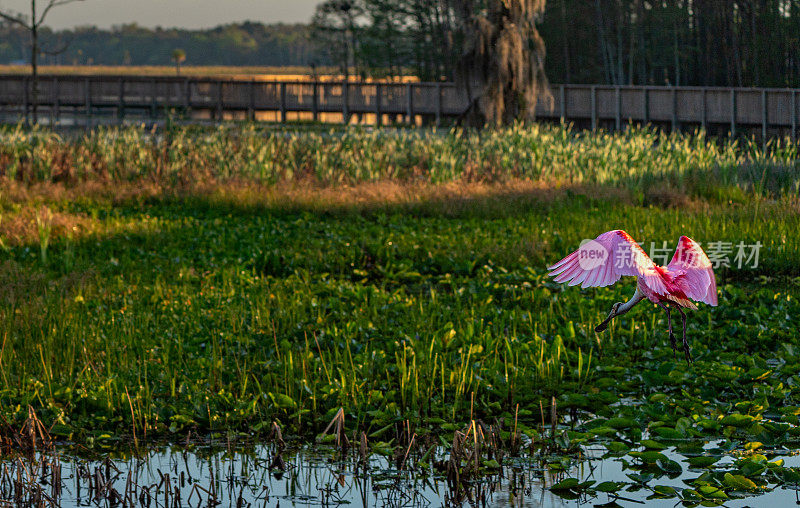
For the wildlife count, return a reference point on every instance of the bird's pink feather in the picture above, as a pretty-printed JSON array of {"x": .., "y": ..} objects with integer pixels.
[
  {"x": 691, "y": 270},
  {"x": 623, "y": 257},
  {"x": 689, "y": 274}
]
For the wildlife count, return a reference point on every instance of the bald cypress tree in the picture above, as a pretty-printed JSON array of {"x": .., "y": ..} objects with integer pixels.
[{"x": 502, "y": 63}]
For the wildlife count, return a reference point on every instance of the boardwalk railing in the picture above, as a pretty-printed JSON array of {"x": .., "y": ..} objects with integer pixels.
[
  {"x": 214, "y": 99},
  {"x": 89, "y": 99}
]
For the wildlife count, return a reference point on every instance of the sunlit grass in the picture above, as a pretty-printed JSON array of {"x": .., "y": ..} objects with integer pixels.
[{"x": 639, "y": 160}]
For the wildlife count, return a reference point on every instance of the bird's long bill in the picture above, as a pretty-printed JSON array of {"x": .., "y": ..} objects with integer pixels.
[{"x": 602, "y": 326}]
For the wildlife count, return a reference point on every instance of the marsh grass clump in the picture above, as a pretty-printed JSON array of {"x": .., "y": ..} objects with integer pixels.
[{"x": 30, "y": 437}]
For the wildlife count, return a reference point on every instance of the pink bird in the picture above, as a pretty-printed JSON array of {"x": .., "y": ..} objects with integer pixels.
[{"x": 602, "y": 261}]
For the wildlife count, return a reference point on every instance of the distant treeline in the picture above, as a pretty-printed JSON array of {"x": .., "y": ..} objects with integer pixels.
[
  {"x": 235, "y": 44},
  {"x": 678, "y": 42}
]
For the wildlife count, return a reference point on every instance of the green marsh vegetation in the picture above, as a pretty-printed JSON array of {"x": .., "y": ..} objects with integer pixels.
[{"x": 215, "y": 282}]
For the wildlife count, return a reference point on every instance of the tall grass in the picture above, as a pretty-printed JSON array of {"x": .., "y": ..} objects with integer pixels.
[{"x": 637, "y": 159}]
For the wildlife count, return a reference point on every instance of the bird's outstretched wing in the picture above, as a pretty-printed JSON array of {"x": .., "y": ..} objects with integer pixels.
[
  {"x": 602, "y": 261},
  {"x": 691, "y": 270}
]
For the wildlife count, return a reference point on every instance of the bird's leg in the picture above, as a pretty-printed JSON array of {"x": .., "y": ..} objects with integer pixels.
[
  {"x": 686, "y": 352},
  {"x": 669, "y": 326}
]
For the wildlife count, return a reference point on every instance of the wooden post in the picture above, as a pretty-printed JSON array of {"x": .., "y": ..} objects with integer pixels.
[
  {"x": 409, "y": 104},
  {"x": 26, "y": 98},
  {"x": 315, "y": 103},
  {"x": 438, "y": 104},
  {"x": 674, "y": 109},
  {"x": 88, "y": 102},
  {"x": 764, "y": 116},
  {"x": 594, "y": 107},
  {"x": 121, "y": 102},
  {"x": 187, "y": 99},
  {"x": 251, "y": 108},
  {"x": 153, "y": 99},
  {"x": 794, "y": 115},
  {"x": 618, "y": 109},
  {"x": 733, "y": 112},
  {"x": 345, "y": 103},
  {"x": 283, "y": 101},
  {"x": 563, "y": 98},
  {"x": 56, "y": 101},
  {"x": 378, "y": 113},
  {"x": 704, "y": 117},
  {"x": 646, "y": 100},
  {"x": 219, "y": 101},
  {"x": 50, "y": 103}
]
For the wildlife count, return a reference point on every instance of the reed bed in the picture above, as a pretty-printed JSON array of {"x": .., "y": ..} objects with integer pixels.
[{"x": 638, "y": 160}]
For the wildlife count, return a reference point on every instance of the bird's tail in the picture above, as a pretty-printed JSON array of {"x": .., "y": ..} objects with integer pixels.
[{"x": 683, "y": 302}]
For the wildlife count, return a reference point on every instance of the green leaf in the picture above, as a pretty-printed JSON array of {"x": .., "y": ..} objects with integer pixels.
[
  {"x": 620, "y": 423},
  {"x": 737, "y": 420},
  {"x": 709, "y": 492},
  {"x": 667, "y": 433},
  {"x": 739, "y": 482},
  {"x": 61, "y": 430},
  {"x": 603, "y": 431},
  {"x": 609, "y": 486},
  {"x": 775, "y": 464},
  {"x": 750, "y": 467},
  {"x": 789, "y": 475},
  {"x": 665, "y": 491},
  {"x": 617, "y": 447},
  {"x": 566, "y": 484},
  {"x": 669, "y": 466},
  {"x": 650, "y": 457},
  {"x": 640, "y": 478},
  {"x": 282, "y": 401},
  {"x": 653, "y": 445},
  {"x": 702, "y": 461}
]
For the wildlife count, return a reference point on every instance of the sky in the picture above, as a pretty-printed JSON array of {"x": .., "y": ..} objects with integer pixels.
[{"x": 169, "y": 13}]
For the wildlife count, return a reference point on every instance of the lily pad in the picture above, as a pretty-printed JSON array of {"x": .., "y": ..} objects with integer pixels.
[
  {"x": 702, "y": 461},
  {"x": 739, "y": 482},
  {"x": 653, "y": 445}
]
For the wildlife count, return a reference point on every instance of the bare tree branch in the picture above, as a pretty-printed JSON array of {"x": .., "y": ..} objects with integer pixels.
[
  {"x": 33, "y": 27},
  {"x": 59, "y": 50},
  {"x": 50, "y": 5},
  {"x": 14, "y": 19}
]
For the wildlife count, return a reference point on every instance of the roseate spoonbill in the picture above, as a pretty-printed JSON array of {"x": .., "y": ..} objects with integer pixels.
[{"x": 602, "y": 261}]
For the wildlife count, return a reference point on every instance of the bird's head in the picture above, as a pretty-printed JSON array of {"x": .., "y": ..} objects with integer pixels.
[{"x": 614, "y": 312}]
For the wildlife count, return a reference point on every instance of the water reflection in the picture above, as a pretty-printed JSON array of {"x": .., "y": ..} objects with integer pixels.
[{"x": 319, "y": 476}]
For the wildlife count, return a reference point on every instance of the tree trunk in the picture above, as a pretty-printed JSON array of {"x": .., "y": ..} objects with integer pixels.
[
  {"x": 677, "y": 55},
  {"x": 607, "y": 64},
  {"x": 566, "y": 30},
  {"x": 34, "y": 64}
]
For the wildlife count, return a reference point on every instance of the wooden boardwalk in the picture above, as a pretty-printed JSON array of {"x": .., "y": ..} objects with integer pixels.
[{"x": 89, "y": 100}]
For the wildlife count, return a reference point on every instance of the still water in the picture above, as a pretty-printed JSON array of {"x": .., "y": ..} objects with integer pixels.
[{"x": 316, "y": 476}]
